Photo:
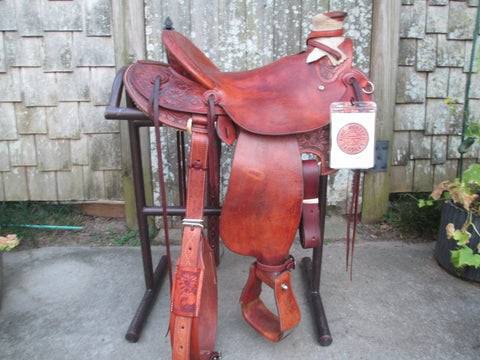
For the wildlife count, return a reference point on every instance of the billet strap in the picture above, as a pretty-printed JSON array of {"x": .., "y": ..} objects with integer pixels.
[
  {"x": 310, "y": 233},
  {"x": 193, "y": 318},
  {"x": 272, "y": 327}
]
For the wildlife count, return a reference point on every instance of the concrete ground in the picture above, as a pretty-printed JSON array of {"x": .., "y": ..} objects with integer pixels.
[{"x": 77, "y": 303}]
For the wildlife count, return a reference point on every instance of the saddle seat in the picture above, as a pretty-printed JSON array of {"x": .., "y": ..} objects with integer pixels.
[{"x": 267, "y": 100}]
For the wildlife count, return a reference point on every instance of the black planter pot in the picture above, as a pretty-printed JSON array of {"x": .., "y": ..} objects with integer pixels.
[{"x": 456, "y": 215}]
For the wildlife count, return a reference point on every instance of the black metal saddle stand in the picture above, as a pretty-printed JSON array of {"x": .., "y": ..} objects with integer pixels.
[{"x": 154, "y": 279}]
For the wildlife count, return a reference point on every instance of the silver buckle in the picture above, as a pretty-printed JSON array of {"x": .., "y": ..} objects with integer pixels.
[
  {"x": 193, "y": 223},
  {"x": 189, "y": 126}
]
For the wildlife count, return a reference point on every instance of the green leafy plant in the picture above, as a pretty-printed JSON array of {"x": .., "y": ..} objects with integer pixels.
[
  {"x": 465, "y": 193},
  {"x": 414, "y": 223}
]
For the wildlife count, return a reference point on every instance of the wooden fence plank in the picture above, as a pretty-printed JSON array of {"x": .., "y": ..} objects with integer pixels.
[
  {"x": 232, "y": 17},
  {"x": 309, "y": 10},
  {"x": 287, "y": 29},
  {"x": 259, "y": 33},
  {"x": 129, "y": 31},
  {"x": 385, "y": 38},
  {"x": 204, "y": 26}
]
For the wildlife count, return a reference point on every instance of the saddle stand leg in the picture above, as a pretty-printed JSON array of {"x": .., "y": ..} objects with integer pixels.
[
  {"x": 153, "y": 280},
  {"x": 312, "y": 271}
]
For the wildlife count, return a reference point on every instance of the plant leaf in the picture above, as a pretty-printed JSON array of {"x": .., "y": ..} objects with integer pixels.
[
  {"x": 438, "y": 191},
  {"x": 450, "y": 228},
  {"x": 466, "y": 144},
  {"x": 462, "y": 237},
  {"x": 472, "y": 174},
  {"x": 464, "y": 257},
  {"x": 473, "y": 129}
]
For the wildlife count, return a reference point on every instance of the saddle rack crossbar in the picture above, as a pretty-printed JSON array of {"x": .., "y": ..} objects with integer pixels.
[{"x": 154, "y": 279}]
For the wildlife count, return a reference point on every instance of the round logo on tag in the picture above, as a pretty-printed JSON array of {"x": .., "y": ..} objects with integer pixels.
[{"x": 352, "y": 138}]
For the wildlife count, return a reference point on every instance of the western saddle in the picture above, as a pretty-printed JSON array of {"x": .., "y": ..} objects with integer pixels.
[{"x": 273, "y": 114}]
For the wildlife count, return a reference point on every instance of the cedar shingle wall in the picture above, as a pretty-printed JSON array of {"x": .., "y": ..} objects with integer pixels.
[
  {"x": 57, "y": 64},
  {"x": 434, "y": 58}
]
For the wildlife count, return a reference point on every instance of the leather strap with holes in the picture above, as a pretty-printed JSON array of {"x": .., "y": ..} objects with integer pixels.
[{"x": 193, "y": 318}]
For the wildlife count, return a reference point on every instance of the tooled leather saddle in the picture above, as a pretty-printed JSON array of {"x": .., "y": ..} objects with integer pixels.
[{"x": 273, "y": 114}]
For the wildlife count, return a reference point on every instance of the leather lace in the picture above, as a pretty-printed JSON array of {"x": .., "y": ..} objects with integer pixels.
[{"x": 154, "y": 115}]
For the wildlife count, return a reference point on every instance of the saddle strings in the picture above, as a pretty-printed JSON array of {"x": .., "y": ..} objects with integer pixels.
[
  {"x": 353, "y": 214},
  {"x": 154, "y": 115}
]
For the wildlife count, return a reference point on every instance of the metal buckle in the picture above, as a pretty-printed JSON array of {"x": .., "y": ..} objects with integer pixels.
[
  {"x": 189, "y": 126},
  {"x": 193, "y": 223},
  {"x": 290, "y": 262}
]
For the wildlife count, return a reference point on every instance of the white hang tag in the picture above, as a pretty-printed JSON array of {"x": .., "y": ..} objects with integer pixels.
[{"x": 352, "y": 135}]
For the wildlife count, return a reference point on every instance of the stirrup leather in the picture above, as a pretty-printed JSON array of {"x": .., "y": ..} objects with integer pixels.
[
  {"x": 271, "y": 326},
  {"x": 193, "y": 307}
]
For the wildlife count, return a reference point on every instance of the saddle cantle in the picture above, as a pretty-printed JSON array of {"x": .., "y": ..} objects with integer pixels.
[
  {"x": 178, "y": 96},
  {"x": 274, "y": 113}
]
